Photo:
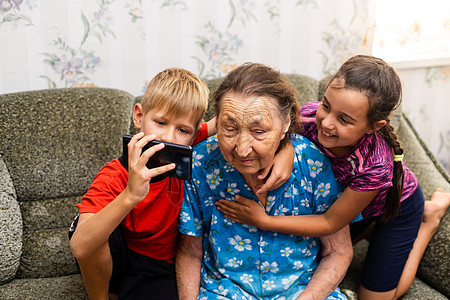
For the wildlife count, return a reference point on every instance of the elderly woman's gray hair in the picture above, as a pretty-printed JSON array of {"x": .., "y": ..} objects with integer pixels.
[{"x": 261, "y": 80}]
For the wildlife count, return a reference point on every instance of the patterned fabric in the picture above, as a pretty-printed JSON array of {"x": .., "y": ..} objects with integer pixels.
[
  {"x": 241, "y": 261},
  {"x": 369, "y": 167}
]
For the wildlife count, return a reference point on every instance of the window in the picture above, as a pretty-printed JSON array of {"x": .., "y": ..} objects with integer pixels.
[{"x": 413, "y": 31}]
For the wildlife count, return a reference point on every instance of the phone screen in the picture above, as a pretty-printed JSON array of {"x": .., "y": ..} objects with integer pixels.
[{"x": 179, "y": 154}]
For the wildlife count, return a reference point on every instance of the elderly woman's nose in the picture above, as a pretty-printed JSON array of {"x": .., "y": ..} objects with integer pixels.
[{"x": 243, "y": 145}]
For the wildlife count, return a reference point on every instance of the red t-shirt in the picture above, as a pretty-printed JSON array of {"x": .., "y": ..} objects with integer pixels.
[{"x": 151, "y": 227}]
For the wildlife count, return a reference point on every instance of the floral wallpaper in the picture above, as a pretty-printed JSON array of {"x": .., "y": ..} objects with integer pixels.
[
  {"x": 220, "y": 37},
  {"x": 123, "y": 44}
]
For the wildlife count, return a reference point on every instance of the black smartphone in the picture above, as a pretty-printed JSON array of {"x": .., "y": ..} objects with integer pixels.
[{"x": 179, "y": 154}]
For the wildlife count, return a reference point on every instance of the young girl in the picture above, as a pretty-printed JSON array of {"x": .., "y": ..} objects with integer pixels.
[{"x": 351, "y": 126}]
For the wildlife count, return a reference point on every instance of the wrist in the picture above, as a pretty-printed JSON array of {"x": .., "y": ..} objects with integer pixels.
[
  {"x": 265, "y": 223},
  {"x": 129, "y": 198}
]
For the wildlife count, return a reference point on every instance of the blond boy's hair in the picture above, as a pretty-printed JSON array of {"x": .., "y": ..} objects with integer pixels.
[{"x": 179, "y": 91}]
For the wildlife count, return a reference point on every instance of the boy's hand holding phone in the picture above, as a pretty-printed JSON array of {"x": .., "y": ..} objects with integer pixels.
[
  {"x": 139, "y": 176},
  {"x": 148, "y": 160}
]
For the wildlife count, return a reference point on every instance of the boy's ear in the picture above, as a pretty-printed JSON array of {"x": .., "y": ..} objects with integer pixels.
[
  {"x": 137, "y": 115},
  {"x": 377, "y": 126}
]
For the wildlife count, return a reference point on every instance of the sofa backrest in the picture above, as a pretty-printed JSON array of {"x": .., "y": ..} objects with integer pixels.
[{"x": 53, "y": 143}]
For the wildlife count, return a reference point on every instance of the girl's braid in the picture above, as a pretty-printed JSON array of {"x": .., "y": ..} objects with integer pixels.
[{"x": 391, "y": 208}]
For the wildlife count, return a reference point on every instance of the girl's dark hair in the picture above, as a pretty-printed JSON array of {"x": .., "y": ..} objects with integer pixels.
[
  {"x": 379, "y": 82},
  {"x": 258, "y": 79}
]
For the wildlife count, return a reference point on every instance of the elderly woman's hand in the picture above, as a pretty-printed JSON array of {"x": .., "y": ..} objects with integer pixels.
[
  {"x": 244, "y": 211},
  {"x": 281, "y": 169}
]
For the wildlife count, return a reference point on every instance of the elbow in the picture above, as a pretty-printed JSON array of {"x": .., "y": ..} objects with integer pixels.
[
  {"x": 331, "y": 226},
  {"x": 348, "y": 255},
  {"x": 339, "y": 245},
  {"x": 347, "y": 251},
  {"x": 329, "y": 231},
  {"x": 190, "y": 247}
]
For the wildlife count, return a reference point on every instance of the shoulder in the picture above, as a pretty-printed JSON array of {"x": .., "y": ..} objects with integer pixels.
[
  {"x": 314, "y": 175},
  {"x": 310, "y": 161},
  {"x": 304, "y": 148},
  {"x": 113, "y": 167},
  {"x": 369, "y": 166},
  {"x": 206, "y": 150},
  {"x": 110, "y": 181},
  {"x": 208, "y": 144},
  {"x": 309, "y": 109},
  {"x": 374, "y": 152},
  {"x": 111, "y": 174},
  {"x": 308, "y": 120}
]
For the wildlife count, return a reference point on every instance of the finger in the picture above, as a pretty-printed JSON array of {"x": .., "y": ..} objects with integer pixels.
[
  {"x": 228, "y": 205},
  {"x": 145, "y": 156},
  {"x": 136, "y": 144},
  {"x": 276, "y": 185},
  {"x": 236, "y": 220},
  {"x": 264, "y": 172},
  {"x": 242, "y": 200},
  {"x": 228, "y": 212},
  {"x": 267, "y": 186},
  {"x": 161, "y": 170},
  {"x": 233, "y": 218},
  {"x": 132, "y": 143}
]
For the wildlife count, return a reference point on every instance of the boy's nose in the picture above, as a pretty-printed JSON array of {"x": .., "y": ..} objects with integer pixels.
[{"x": 168, "y": 136}]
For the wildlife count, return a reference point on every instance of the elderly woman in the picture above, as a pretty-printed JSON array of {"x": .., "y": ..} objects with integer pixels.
[{"x": 256, "y": 115}]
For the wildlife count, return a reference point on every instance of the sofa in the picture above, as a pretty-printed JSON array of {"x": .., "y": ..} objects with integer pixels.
[{"x": 54, "y": 141}]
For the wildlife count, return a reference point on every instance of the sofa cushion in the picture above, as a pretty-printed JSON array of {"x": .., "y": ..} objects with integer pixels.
[
  {"x": 10, "y": 227},
  {"x": 46, "y": 250},
  {"x": 55, "y": 141},
  {"x": 46, "y": 253},
  {"x": 64, "y": 287},
  {"x": 48, "y": 213}
]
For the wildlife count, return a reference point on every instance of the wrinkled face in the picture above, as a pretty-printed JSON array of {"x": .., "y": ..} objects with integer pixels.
[
  {"x": 249, "y": 130},
  {"x": 166, "y": 127},
  {"x": 342, "y": 119}
]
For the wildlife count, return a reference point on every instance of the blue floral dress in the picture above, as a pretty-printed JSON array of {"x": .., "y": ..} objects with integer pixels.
[{"x": 241, "y": 261}]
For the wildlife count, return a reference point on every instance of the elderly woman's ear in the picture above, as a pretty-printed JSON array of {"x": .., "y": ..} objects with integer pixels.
[{"x": 286, "y": 128}]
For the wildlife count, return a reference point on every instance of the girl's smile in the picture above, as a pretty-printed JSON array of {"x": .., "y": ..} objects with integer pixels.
[{"x": 342, "y": 119}]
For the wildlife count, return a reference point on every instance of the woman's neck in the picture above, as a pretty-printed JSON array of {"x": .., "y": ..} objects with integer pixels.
[{"x": 255, "y": 184}]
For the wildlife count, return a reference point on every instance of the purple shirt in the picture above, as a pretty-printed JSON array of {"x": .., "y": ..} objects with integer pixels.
[{"x": 368, "y": 167}]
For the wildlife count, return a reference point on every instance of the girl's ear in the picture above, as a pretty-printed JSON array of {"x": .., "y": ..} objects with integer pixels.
[
  {"x": 378, "y": 125},
  {"x": 137, "y": 115}
]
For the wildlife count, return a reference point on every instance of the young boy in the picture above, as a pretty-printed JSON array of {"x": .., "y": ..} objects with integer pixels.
[{"x": 126, "y": 230}]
